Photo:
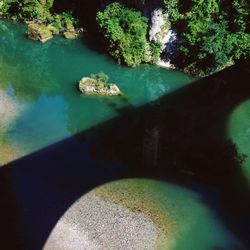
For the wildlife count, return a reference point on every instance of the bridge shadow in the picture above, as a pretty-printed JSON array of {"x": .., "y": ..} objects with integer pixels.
[{"x": 182, "y": 138}]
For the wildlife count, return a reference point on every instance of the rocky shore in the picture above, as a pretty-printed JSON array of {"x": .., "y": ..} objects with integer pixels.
[
  {"x": 106, "y": 219},
  {"x": 93, "y": 223},
  {"x": 43, "y": 33}
]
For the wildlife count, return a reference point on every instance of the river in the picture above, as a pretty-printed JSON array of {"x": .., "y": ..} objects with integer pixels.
[{"x": 60, "y": 147}]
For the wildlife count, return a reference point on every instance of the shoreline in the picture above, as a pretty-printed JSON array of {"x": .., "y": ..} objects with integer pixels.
[{"x": 96, "y": 223}]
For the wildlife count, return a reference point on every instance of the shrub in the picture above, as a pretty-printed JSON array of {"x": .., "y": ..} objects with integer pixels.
[
  {"x": 125, "y": 31},
  {"x": 100, "y": 77},
  {"x": 215, "y": 35},
  {"x": 25, "y": 9}
]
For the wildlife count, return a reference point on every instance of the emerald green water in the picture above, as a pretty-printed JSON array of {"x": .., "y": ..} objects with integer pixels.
[{"x": 42, "y": 79}]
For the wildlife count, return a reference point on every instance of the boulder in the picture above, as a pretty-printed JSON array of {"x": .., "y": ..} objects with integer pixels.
[
  {"x": 70, "y": 35},
  {"x": 53, "y": 29},
  {"x": 70, "y": 27},
  {"x": 90, "y": 86},
  {"x": 39, "y": 32}
]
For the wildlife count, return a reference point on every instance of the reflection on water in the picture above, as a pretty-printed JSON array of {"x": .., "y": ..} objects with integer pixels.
[{"x": 44, "y": 77}]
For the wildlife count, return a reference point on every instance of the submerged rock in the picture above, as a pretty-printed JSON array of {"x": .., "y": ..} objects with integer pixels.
[
  {"x": 91, "y": 86},
  {"x": 39, "y": 32}
]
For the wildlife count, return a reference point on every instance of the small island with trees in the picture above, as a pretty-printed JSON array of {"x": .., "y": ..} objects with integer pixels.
[{"x": 97, "y": 84}]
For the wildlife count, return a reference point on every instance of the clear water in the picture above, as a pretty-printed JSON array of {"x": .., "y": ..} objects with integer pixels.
[{"x": 43, "y": 78}]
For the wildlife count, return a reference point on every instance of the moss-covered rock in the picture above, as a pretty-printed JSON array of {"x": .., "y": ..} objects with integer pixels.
[
  {"x": 91, "y": 86},
  {"x": 39, "y": 32},
  {"x": 70, "y": 35},
  {"x": 53, "y": 29}
]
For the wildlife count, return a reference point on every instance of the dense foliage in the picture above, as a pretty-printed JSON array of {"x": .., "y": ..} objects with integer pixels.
[
  {"x": 214, "y": 34},
  {"x": 172, "y": 7},
  {"x": 37, "y": 11},
  {"x": 27, "y": 9},
  {"x": 126, "y": 33}
]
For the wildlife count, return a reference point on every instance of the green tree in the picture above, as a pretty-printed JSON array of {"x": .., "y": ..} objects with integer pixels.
[
  {"x": 215, "y": 35},
  {"x": 173, "y": 10},
  {"x": 125, "y": 31}
]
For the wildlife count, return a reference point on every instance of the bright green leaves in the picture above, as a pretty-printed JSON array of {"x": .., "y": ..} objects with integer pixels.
[
  {"x": 172, "y": 8},
  {"x": 214, "y": 35},
  {"x": 126, "y": 33},
  {"x": 26, "y": 9}
]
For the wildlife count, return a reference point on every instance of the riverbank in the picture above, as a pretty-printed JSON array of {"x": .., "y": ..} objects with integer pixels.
[{"x": 93, "y": 223}]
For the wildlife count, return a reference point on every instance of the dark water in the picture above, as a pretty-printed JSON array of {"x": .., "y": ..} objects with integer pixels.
[{"x": 166, "y": 128}]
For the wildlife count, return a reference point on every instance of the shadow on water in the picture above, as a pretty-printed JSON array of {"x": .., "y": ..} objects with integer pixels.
[{"x": 181, "y": 137}]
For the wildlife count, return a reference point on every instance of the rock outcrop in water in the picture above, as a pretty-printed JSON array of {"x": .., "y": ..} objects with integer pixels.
[
  {"x": 39, "y": 32},
  {"x": 44, "y": 33},
  {"x": 94, "y": 86}
]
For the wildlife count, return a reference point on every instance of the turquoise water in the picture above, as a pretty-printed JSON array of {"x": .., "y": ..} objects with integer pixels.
[{"x": 43, "y": 77}]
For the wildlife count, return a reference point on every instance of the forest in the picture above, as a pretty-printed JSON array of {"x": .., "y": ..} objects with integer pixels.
[{"x": 212, "y": 34}]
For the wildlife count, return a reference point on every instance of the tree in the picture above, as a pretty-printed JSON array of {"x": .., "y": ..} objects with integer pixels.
[{"x": 125, "y": 31}]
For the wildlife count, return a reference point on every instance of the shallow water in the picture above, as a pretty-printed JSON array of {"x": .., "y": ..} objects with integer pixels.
[{"x": 62, "y": 164}]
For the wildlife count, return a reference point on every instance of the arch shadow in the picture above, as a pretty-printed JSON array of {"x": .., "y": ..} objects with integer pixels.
[{"x": 181, "y": 137}]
